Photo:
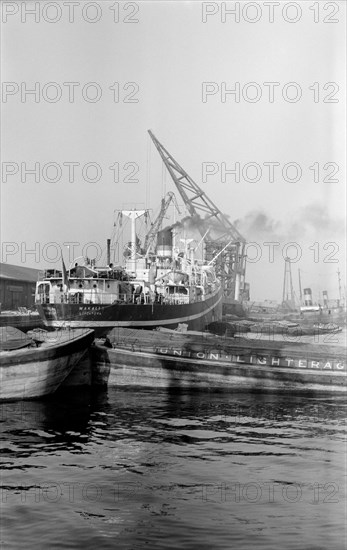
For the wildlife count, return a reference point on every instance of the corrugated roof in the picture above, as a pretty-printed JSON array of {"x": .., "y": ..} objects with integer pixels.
[{"x": 18, "y": 272}]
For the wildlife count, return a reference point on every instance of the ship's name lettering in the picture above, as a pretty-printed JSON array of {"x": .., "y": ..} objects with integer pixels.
[
  {"x": 269, "y": 360},
  {"x": 97, "y": 310}
]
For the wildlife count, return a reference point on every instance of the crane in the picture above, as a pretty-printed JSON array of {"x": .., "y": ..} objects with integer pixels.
[
  {"x": 156, "y": 225},
  {"x": 224, "y": 245}
]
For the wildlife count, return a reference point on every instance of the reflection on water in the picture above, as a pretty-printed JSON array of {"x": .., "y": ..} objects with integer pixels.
[{"x": 134, "y": 469}]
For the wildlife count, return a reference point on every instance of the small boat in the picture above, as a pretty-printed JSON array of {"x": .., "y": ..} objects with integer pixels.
[
  {"x": 22, "y": 318},
  {"x": 35, "y": 365},
  {"x": 164, "y": 359},
  {"x": 285, "y": 328}
]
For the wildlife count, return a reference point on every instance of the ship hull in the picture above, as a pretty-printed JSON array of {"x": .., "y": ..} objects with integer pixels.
[
  {"x": 22, "y": 321},
  {"x": 104, "y": 317},
  {"x": 238, "y": 367}
]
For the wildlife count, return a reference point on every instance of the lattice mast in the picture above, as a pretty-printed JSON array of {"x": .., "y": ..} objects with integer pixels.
[
  {"x": 288, "y": 296},
  {"x": 224, "y": 245}
]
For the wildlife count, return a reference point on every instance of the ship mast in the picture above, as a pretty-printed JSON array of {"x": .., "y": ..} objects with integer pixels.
[
  {"x": 300, "y": 288},
  {"x": 288, "y": 290},
  {"x": 133, "y": 215},
  {"x": 339, "y": 280}
]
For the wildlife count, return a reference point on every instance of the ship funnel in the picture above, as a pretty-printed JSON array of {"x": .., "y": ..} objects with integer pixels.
[
  {"x": 108, "y": 252},
  {"x": 325, "y": 298},
  {"x": 308, "y": 297},
  {"x": 164, "y": 243}
]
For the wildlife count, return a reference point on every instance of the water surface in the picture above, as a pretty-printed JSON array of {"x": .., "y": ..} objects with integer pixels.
[{"x": 135, "y": 469}]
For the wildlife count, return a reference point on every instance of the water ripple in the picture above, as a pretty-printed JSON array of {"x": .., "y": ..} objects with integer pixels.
[{"x": 168, "y": 471}]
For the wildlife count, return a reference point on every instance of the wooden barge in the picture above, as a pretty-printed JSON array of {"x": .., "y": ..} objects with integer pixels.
[
  {"x": 36, "y": 366},
  {"x": 199, "y": 360}
]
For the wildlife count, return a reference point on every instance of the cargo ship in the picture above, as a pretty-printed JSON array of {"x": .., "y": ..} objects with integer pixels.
[{"x": 162, "y": 286}]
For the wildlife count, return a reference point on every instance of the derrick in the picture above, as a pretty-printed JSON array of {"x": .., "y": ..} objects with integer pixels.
[
  {"x": 156, "y": 225},
  {"x": 224, "y": 244}
]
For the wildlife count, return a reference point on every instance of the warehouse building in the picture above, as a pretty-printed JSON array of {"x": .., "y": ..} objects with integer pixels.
[{"x": 17, "y": 286}]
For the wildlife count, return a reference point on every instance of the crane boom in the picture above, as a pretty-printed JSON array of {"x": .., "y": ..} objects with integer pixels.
[
  {"x": 224, "y": 245},
  {"x": 195, "y": 198}
]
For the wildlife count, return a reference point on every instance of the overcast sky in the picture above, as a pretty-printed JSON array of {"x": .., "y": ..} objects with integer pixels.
[{"x": 149, "y": 70}]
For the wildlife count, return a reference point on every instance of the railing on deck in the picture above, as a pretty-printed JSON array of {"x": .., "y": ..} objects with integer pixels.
[
  {"x": 97, "y": 299},
  {"x": 104, "y": 298},
  {"x": 111, "y": 299}
]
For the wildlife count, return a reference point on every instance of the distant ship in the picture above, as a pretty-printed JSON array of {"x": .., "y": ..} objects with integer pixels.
[
  {"x": 159, "y": 289},
  {"x": 332, "y": 311}
]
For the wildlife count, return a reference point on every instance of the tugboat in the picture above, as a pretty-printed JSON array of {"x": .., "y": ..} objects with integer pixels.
[{"x": 161, "y": 289}]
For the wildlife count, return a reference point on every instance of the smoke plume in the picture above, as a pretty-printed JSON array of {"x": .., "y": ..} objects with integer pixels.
[{"x": 309, "y": 221}]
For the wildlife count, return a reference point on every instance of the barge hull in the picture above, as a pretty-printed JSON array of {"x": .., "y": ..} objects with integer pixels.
[
  {"x": 36, "y": 372},
  {"x": 120, "y": 367}
]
